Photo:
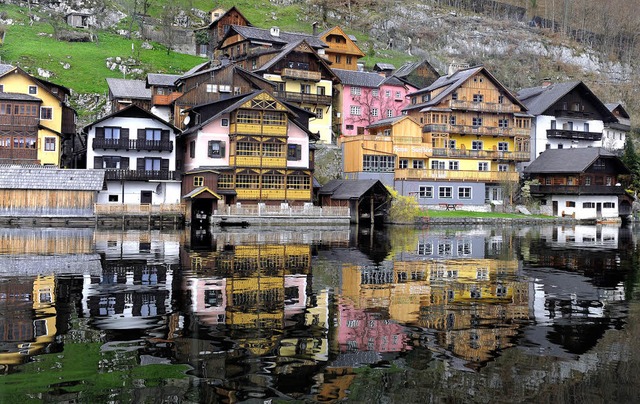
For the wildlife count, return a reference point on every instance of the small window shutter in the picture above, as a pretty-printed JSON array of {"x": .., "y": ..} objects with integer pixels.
[
  {"x": 124, "y": 133},
  {"x": 164, "y": 136},
  {"x": 298, "y": 152},
  {"x": 222, "y": 149},
  {"x": 97, "y": 162},
  {"x": 209, "y": 150},
  {"x": 124, "y": 163},
  {"x": 164, "y": 165},
  {"x": 140, "y": 164},
  {"x": 100, "y": 133},
  {"x": 142, "y": 134}
]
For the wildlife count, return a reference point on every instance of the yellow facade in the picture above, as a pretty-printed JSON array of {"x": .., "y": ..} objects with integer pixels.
[
  {"x": 17, "y": 81},
  {"x": 343, "y": 53}
]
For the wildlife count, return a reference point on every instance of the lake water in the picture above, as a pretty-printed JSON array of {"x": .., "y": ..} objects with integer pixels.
[{"x": 439, "y": 314}]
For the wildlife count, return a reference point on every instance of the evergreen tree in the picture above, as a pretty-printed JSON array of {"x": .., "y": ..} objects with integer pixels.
[{"x": 630, "y": 159}]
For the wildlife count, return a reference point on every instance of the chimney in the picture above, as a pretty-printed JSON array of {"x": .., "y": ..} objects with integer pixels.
[
  {"x": 315, "y": 28},
  {"x": 546, "y": 82},
  {"x": 275, "y": 31}
]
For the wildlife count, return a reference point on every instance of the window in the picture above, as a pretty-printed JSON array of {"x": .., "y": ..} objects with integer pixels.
[
  {"x": 49, "y": 143},
  {"x": 560, "y": 146},
  {"x": 570, "y": 204},
  {"x": 153, "y": 134},
  {"x": 387, "y": 93},
  {"x": 319, "y": 113},
  {"x": 553, "y": 124},
  {"x": 464, "y": 193},
  {"x": 356, "y": 90},
  {"x": 349, "y": 60},
  {"x": 294, "y": 152},
  {"x": 476, "y": 145},
  {"x": 152, "y": 164},
  {"x": 386, "y": 132},
  {"x": 355, "y": 110},
  {"x": 224, "y": 88},
  {"x": 192, "y": 149},
  {"x": 198, "y": 181},
  {"x": 305, "y": 88},
  {"x": 586, "y": 127},
  {"x": 1, "y": 88},
  {"x": 483, "y": 166},
  {"x": 587, "y": 181},
  {"x": 212, "y": 88},
  {"x": 477, "y": 98},
  {"x": 503, "y": 123},
  {"x": 476, "y": 121},
  {"x": 418, "y": 164},
  {"x": 437, "y": 165},
  {"x": 503, "y": 146},
  {"x": 503, "y": 167},
  {"x": 389, "y": 113},
  {"x": 452, "y": 144},
  {"x": 454, "y": 165},
  {"x": 112, "y": 133},
  {"x": 452, "y": 120},
  {"x": 46, "y": 113},
  {"x": 224, "y": 122},
  {"x": 398, "y": 94},
  {"x": 216, "y": 149},
  {"x": 111, "y": 162},
  {"x": 375, "y": 92},
  {"x": 425, "y": 191},
  {"x": 349, "y": 127},
  {"x": 454, "y": 96},
  {"x": 237, "y": 90},
  {"x": 33, "y": 90},
  {"x": 501, "y": 99},
  {"x": 588, "y": 205},
  {"x": 374, "y": 111},
  {"x": 377, "y": 163},
  {"x": 608, "y": 181},
  {"x": 113, "y": 198},
  {"x": 320, "y": 90},
  {"x": 445, "y": 192},
  {"x": 338, "y": 58},
  {"x": 609, "y": 205}
]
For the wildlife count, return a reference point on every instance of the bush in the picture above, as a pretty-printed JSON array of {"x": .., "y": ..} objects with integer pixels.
[{"x": 404, "y": 209}]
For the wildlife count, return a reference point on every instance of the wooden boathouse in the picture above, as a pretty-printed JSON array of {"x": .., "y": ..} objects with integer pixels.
[{"x": 367, "y": 200}]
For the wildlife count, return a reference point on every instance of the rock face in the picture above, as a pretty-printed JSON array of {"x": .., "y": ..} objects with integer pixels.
[{"x": 328, "y": 163}]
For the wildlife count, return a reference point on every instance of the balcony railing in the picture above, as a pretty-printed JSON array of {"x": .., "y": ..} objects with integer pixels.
[
  {"x": 30, "y": 122},
  {"x": 19, "y": 155},
  {"x": 484, "y": 106},
  {"x": 475, "y": 130},
  {"x": 301, "y": 74},
  {"x": 577, "y": 189},
  {"x": 140, "y": 175},
  {"x": 132, "y": 144},
  {"x": 565, "y": 113},
  {"x": 573, "y": 134},
  {"x": 164, "y": 99},
  {"x": 485, "y": 154},
  {"x": 303, "y": 98},
  {"x": 456, "y": 175}
]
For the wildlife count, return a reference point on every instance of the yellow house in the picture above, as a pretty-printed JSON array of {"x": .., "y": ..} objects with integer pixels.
[
  {"x": 342, "y": 51},
  {"x": 33, "y": 109}
]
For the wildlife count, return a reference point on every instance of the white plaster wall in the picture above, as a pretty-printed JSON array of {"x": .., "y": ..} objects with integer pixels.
[{"x": 580, "y": 212}]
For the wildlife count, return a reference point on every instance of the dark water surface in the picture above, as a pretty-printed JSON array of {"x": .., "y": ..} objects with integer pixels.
[{"x": 482, "y": 314}]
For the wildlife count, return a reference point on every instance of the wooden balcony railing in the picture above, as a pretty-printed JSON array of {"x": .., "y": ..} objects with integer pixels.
[
  {"x": 142, "y": 175},
  {"x": 132, "y": 144},
  {"x": 303, "y": 98},
  {"x": 484, "y": 106},
  {"x": 301, "y": 74},
  {"x": 257, "y": 129},
  {"x": 578, "y": 189},
  {"x": 164, "y": 99},
  {"x": 475, "y": 130},
  {"x": 573, "y": 134},
  {"x": 485, "y": 154},
  {"x": 565, "y": 113},
  {"x": 30, "y": 122},
  {"x": 19, "y": 155},
  {"x": 456, "y": 175}
]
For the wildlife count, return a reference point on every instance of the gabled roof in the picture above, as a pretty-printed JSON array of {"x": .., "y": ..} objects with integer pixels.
[
  {"x": 392, "y": 121},
  {"x": 539, "y": 99},
  {"x": 264, "y": 35},
  {"x": 4, "y": 69},
  {"x": 162, "y": 80},
  {"x": 197, "y": 68},
  {"x": 383, "y": 66},
  {"x": 339, "y": 31},
  {"x": 619, "y": 107},
  {"x": 359, "y": 79},
  {"x": 39, "y": 177},
  {"x": 131, "y": 111},
  {"x": 18, "y": 97},
  {"x": 570, "y": 161},
  {"x": 227, "y": 12},
  {"x": 453, "y": 81},
  {"x": 349, "y": 189},
  {"x": 290, "y": 48},
  {"x": 200, "y": 190},
  {"x": 123, "y": 88}
]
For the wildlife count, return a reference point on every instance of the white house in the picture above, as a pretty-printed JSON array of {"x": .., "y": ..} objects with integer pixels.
[
  {"x": 615, "y": 133},
  {"x": 137, "y": 150}
]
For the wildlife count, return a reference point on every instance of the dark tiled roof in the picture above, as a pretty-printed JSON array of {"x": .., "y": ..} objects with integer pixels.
[
  {"x": 32, "y": 177},
  {"x": 384, "y": 66},
  {"x": 539, "y": 99},
  {"x": 576, "y": 160},
  {"x": 123, "y": 88},
  {"x": 260, "y": 34},
  {"x": 359, "y": 79},
  {"x": 18, "y": 97},
  {"x": 387, "y": 121},
  {"x": 131, "y": 111},
  {"x": 347, "y": 189},
  {"x": 165, "y": 80},
  {"x": 5, "y": 69}
]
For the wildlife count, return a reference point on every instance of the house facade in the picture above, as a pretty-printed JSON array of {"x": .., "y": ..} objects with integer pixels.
[
  {"x": 163, "y": 93},
  {"x": 565, "y": 115},
  {"x": 364, "y": 98},
  {"x": 51, "y": 120},
  {"x": 477, "y": 129},
  {"x": 137, "y": 151},
  {"x": 584, "y": 183},
  {"x": 614, "y": 134},
  {"x": 254, "y": 145},
  {"x": 124, "y": 92},
  {"x": 221, "y": 20},
  {"x": 342, "y": 51}
]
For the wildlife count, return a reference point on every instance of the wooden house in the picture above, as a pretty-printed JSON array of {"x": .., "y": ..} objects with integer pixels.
[
  {"x": 56, "y": 119},
  {"x": 19, "y": 121},
  {"x": 163, "y": 93},
  {"x": 35, "y": 191},
  {"x": 585, "y": 183},
  {"x": 124, "y": 92},
  {"x": 342, "y": 51},
  {"x": 478, "y": 132},
  {"x": 368, "y": 200},
  {"x": 78, "y": 20},
  {"x": 258, "y": 146},
  {"x": 419, "y": 74},
  {"x": 221, "y": 20}
]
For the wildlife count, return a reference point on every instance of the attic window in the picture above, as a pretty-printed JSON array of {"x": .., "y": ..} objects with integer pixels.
[{"x": 33, "y": 90}]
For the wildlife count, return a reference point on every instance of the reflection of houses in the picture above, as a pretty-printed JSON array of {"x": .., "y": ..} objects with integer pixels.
[
  {"x": 366, "y": 199},
  {"x": 581, "y": 182}
]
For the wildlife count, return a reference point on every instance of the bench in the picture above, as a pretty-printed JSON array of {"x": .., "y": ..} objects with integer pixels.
[{"x": 450, "y": 206}]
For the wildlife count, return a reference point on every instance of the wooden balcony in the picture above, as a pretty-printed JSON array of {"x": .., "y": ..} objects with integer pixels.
[
  {"x": 257, "y": 161},
  {"x": 164, "y": 99},
  {"x": 484, "y": 106},
  {"x": 573, "y": 135},
  {"x": 142, "y": 175},
  {"x": 132, "y": 144},
  {"x": 301, "y": 74},
  {"x": 303, "y": 98},
  {"x": 482, "y": 154},
  {"x": 577, "y": 190},
  {"x": 8, "y": 155},
  {"x": 565, "y": 113},
  {"x": 475, "y": 130},
  {"x": 29, "y": 123},
  {"x": 257, "y": 129},
  {"x": 456, "y": 175}
]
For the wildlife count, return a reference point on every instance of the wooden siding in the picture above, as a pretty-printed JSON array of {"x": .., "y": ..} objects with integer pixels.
[
  {"x": 21, "y": 202},
  {"x": 39, "y": 242}
]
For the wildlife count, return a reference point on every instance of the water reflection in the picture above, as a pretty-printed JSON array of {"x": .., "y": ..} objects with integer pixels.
[{"x": 242, "y": 314}]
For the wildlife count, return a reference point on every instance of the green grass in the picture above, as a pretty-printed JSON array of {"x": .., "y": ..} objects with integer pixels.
[{"x": 488, "y": 215}]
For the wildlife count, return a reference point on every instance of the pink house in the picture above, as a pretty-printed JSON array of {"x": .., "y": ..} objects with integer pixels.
[{"x": 367, "y": 98}]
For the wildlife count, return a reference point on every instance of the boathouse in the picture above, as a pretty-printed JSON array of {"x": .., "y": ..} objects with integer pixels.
[
  {"x": 367, "y": 200},
  {"x": 40, "y": 191}
]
